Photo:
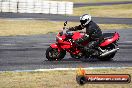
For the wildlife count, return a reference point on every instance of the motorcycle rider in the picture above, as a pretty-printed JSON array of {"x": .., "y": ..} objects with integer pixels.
[{"x": 93, "y": 33}]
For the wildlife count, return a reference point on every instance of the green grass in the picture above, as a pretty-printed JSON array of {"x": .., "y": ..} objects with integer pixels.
[
  {"x": 27, "y": 27},
  {"x": 33, "y": 27},
  {"x": 92, "y": 1},
  {"x": 57, "y": 79},
  {"x": 114, "y": 26},
  {"x": 124, "y": 11}
]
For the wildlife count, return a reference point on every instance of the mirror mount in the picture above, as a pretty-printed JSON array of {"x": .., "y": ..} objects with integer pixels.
[{"x": 65, "y": 23}]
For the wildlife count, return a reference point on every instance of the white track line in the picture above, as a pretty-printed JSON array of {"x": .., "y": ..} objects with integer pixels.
[
  {"x": 128, "y": 41},
  {"x": 64, "y": 69}
]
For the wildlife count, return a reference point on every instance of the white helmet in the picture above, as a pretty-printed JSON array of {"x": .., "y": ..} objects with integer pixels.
[{"x": 85, "y": 19}]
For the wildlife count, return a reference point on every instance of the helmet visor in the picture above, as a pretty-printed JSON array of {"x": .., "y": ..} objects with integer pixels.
[{"x": 83, "y": 21}]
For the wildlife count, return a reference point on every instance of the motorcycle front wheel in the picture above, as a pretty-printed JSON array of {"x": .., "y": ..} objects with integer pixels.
[{"x": 52, "y": 54}]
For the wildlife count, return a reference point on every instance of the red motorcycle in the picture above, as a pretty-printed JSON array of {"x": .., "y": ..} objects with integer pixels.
[{"x": 65, "y": 43}]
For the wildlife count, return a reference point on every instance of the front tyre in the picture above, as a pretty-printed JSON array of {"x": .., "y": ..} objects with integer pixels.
[{"x": 53, "y": 54}]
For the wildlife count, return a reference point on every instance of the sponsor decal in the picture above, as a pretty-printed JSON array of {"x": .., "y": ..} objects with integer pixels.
[{"x": 83, "y": 78}]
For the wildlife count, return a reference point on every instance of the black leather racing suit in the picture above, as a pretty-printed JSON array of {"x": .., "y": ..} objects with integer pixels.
[{"x": 94, "y": 32}]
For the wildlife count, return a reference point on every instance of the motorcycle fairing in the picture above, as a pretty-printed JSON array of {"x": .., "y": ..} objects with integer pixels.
[
  {"x": 62, "y": 43},
  {"x": 111, "y": 40},
  {"x": 65, "y": 47},
  {"x": 77, "y": 35}
]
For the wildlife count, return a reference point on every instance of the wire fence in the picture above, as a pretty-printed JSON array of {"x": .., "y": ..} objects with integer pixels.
[{"x": 36, "y": 6}]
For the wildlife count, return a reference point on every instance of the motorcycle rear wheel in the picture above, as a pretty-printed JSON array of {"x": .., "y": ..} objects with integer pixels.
[{"x": 52, "y": 54}]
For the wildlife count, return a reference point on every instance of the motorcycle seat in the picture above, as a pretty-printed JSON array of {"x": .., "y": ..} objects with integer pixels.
[{"x": 108, "y": 35}]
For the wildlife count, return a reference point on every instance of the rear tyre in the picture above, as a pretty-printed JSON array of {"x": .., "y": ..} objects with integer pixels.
[
  {"x": 108, "y": 57},
  {"x": 52, "y": 54}
]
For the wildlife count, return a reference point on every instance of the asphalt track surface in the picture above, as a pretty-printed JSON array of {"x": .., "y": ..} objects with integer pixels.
[
  {"x": 51, "y": 17},
  {"x": 28, "y": 53},
  {"x": 101, "y": 3}
]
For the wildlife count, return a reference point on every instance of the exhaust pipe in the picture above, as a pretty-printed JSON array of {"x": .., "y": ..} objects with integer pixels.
[{"x": 109, "y": 52}]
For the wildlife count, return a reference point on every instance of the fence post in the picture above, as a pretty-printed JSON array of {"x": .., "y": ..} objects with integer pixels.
[
  {"x": 49, "y": 7},
  {"x": 17, "y": 5}
]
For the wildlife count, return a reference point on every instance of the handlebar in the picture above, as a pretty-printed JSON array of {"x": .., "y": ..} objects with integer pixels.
[{"x": 66, "y": 31}]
